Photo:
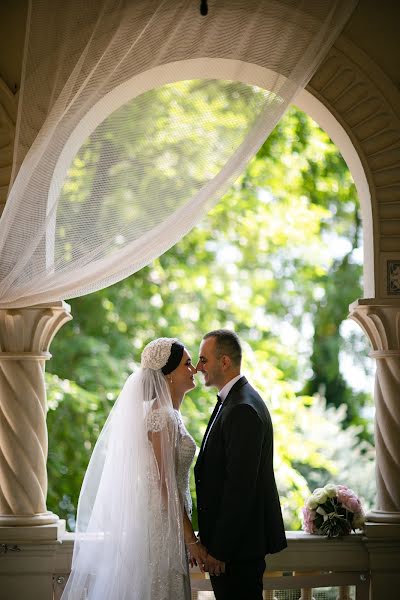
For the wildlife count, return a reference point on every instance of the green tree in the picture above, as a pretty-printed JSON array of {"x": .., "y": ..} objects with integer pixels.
[{"x": 260, "y": 262}]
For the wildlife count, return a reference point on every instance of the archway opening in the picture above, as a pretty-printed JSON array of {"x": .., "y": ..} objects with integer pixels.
[{"x": 170, "y": 298}]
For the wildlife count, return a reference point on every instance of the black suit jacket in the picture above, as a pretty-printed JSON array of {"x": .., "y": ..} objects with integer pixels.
[{"x": 237, "y": 500}]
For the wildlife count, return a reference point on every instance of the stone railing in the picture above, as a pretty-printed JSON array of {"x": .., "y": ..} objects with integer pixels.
[{"x": 309, "y": 562}]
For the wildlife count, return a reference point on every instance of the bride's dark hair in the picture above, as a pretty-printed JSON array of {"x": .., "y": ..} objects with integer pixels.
[{"x": 174, "y": 358}]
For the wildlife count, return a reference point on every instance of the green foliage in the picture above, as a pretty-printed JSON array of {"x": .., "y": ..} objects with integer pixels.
[
  {"x": 156, "y": 150},
  {"x": 275, "y": 259},
  {"x": 75, "y": 418}
]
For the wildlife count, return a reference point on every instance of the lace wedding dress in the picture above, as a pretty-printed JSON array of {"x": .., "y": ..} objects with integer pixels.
[
  {"x": 168, "y": 584},
  {"x": 129, "y": 542}
]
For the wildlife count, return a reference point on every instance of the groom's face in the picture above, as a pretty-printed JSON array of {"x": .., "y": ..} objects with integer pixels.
[{"x": 209, "y": 364}]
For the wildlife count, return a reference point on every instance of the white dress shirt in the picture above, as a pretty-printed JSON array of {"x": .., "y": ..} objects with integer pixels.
[{"x": 227, "y": 387}]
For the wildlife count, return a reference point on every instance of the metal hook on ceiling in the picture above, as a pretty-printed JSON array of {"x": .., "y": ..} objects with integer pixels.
[{"x": 203, "y": 7}]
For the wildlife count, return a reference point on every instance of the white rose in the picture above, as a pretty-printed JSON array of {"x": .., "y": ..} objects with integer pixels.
[
  {"x": 331, "y": 490},
  {"x": 320, "y": 495},
  {"x": 311, "y": 503}
]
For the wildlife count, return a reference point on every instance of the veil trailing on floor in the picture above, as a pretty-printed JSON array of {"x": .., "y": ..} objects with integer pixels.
[{"x": 126, "y": 497}]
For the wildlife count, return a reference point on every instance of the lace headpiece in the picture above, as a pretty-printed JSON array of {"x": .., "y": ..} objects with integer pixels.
[{"x": 156, "y": 354}]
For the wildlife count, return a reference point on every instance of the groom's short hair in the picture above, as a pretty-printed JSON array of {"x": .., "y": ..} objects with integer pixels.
[{"x": 226, "y": 343}]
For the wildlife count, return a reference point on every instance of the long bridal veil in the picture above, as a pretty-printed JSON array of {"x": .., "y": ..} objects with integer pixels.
[{"x": 126, "y": 497}]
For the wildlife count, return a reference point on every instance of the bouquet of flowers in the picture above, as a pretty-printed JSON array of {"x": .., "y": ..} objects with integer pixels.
[{"x": 333, "y": 510}]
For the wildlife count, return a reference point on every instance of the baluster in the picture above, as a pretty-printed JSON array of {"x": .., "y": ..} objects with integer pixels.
[
  {"x": 306, "y": 594},
  {"x": 270, "y": 595},
  {"x": 344, "y": 592}
]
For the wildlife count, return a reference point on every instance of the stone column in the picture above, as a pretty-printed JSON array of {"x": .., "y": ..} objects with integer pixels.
[
  {"x": 25, "y": 337},
  {"x": 380, "y": 320}
]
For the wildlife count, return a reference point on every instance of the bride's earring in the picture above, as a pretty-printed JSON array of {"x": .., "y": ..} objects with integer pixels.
[{"x": 170, "y": 379}]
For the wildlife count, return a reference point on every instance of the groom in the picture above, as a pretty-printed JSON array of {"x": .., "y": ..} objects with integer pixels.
[{"x": 240, "y": 519}]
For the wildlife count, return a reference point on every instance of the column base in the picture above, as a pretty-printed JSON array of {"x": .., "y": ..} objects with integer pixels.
[
  {"x": 381, "y": 516},
  {"x": 28, "y": 534},
  {"x": 45, "y": 518}
]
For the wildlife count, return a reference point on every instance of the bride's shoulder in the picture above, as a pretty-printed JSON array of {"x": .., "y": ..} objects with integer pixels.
[{"x": 160, "y": 418}]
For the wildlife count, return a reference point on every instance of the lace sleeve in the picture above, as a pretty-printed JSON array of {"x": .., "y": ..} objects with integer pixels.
[{"x": 158, "y": 419}]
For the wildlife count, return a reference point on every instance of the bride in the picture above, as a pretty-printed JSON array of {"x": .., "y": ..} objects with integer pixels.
[{"x": 134, "y": 532}]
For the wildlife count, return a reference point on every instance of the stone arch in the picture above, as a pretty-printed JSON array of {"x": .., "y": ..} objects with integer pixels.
[
  {"x": 8, "y": 117},
  {"x": 364, "y": 102},
  {"x": 310, "y": 104},
  {"x": 355, "y": 94}
]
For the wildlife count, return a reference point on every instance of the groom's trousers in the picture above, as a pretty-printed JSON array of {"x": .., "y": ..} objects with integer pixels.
[{"x": 243, "y": 580}]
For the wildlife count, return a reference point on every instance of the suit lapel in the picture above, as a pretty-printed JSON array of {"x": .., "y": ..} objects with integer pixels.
[
  {"x": 241, "y": 382},
  {"x": 211, "y": 420}
]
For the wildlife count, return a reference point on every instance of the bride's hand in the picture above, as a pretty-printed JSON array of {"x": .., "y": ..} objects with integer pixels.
[{"x": 198, "y": 555}]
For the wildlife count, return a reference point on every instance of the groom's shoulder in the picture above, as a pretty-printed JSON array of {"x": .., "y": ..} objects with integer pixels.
[
  {"x": 244, "y": 393},
  {"x": 244, "y": 389}
]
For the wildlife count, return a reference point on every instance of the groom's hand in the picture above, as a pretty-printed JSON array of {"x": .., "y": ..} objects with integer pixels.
[{"x": 214, "y": 566}]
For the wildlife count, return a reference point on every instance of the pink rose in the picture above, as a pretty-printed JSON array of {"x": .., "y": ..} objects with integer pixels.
[
  {"x": 308, "y": 520},
  {"x": 343, "y": 494},
  {"x": 348, "y": 498},
  {"x": 352, "y": 504}
]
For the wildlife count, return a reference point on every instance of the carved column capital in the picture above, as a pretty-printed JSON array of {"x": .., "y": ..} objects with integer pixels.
[
  {"x": 380, "y": 321},
  {"x": 25, "y": 337},
  {"x": 28, "y": 332}
]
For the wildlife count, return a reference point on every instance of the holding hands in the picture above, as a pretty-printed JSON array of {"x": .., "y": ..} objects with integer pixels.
[
  {"x": 198, "y": 555},
  {"x": 214, "y": 566}
]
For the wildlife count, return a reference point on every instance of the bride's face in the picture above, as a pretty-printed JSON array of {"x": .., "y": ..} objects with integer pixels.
[{"x": 183, "y": 376}]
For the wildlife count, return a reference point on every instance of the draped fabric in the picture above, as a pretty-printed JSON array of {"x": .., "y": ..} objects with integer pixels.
[{"x": 134, "y": 117}]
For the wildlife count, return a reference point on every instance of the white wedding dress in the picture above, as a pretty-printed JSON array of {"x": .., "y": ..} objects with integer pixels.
[
  {"x": 168, "y": 584},
  {"x": 129, "y": 542}
]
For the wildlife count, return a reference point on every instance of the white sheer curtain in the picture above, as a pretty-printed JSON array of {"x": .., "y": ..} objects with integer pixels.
[{"x": 134, "y": 117}]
